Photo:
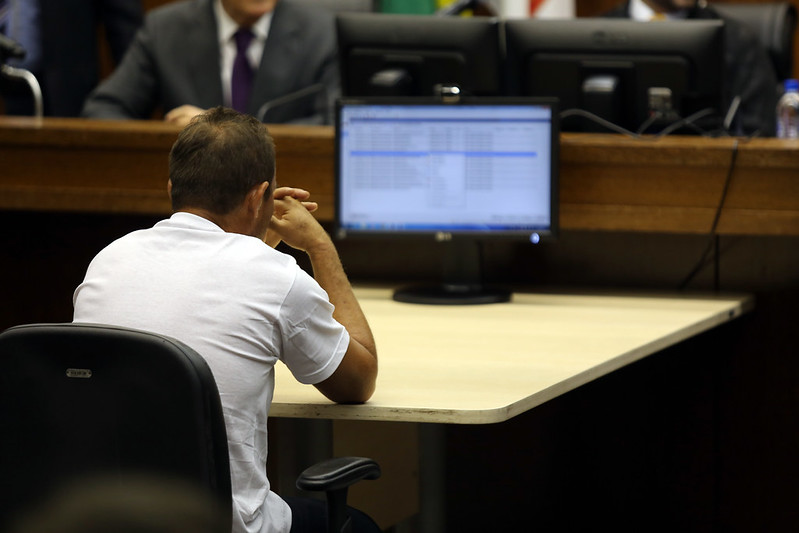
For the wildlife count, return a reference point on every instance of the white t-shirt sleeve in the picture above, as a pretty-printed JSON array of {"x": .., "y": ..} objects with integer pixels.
[{"x": 314, "y": 343}]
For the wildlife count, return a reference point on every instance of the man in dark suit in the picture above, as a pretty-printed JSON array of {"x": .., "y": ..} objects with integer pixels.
[
  {"x": 749, "y": 72},
  {"x": 182, "y": 61}
]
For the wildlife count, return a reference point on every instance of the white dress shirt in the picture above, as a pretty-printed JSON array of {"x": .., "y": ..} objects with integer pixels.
[{"x": 226, "y": 27}]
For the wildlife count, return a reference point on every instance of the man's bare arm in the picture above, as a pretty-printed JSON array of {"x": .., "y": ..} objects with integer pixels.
[{"x": 354, "y": 379}]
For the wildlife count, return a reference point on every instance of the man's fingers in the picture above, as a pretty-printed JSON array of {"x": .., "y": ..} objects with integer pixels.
[{"x": 291, "y": 192}]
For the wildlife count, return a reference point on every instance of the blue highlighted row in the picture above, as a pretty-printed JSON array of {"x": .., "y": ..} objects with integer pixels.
[
  {"x": 424, "y": 120},
  {"x": 388, "y": 153},
  {"x": 442, "y": 227}
]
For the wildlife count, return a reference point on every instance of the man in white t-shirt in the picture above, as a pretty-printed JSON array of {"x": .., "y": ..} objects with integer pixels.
[{"x": 210, "y": 277}]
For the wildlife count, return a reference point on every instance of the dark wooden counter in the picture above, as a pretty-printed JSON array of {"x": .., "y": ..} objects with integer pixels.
[{"x": 607, "y": 182}]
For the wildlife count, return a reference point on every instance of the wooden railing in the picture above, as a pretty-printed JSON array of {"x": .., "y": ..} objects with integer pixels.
[{"x": 607, "y": 182}]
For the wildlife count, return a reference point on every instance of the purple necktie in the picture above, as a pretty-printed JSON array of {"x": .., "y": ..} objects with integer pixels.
[{"x": 241, "y": 82}]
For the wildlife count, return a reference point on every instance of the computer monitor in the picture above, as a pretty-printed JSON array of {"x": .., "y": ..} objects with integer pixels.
[
  {"x": 459, "y": 173},
  {"x": 637, "y": 75},
  {"x": 414, "y": 55}
]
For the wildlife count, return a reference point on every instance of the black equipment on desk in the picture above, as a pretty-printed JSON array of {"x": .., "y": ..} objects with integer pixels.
[{"x": 642, "y": 76}]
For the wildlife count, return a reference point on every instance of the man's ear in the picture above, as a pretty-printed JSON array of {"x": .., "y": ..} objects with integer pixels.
[
  {"x": 265, "y": 191},
  {"x": 257, "y": 196}
]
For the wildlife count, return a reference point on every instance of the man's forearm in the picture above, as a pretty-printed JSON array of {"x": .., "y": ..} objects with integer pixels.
[{"x": 329, "y": 273}]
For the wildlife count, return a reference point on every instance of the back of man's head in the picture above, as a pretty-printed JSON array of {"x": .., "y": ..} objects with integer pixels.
[{"x": 217, "y": 159}]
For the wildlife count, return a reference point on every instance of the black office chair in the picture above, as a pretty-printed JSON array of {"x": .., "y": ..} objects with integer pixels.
[
  {"x": 775, "y": 25},
  {"x": 79, "y": 400}
]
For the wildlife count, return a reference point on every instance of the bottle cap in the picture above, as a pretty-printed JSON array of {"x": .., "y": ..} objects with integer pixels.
[{"x": 792, "y": 85}]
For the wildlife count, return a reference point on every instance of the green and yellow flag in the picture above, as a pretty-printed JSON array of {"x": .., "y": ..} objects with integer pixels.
[{"x": 418, "y": 7}]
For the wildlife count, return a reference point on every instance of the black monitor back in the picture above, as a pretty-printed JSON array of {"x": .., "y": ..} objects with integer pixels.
[
  {"x": 620, "y": 69},
  {"x": 411, "y": 55}
]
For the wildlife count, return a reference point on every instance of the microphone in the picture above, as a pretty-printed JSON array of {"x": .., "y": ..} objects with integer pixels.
[
  {"x": 33, "y": 84},
  {"x": 311, "y": 90},
  {"x": 731, "y": 112},
  {"x": 10, "y": 49}
]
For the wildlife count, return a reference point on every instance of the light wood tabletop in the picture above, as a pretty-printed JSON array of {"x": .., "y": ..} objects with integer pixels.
[{"x": 487, "y": 363}]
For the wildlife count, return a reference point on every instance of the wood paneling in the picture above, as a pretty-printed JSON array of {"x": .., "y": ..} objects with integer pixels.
[{"x": 607, "y": 182}]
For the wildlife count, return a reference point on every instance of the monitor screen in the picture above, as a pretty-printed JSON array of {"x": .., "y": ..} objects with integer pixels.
[
  {"x": 467, "y": 171},
  {"x": 642, "y": 76},
  {"x": 412, "y": 55}
]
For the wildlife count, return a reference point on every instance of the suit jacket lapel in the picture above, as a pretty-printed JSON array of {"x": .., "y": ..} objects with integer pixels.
[
  {"x": 203, "y": 58},
  {"x": 281, "y": 49}
]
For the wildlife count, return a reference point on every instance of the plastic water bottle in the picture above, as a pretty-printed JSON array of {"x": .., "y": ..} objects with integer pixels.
[{"x": 788, "y": 111}]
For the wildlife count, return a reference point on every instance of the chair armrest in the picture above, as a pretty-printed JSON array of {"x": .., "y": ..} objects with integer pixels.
[
  {"x": 337, "y": 473},
  {"x": 334, "y": 477}
]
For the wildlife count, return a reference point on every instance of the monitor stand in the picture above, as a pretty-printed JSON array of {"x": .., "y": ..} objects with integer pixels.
[{"x": 461, "y": 283}]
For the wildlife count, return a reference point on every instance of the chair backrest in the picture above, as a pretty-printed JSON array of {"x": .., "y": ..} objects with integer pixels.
[
  {"x": 80, "y": 400},
  {"x": 775, "y": 25}
]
